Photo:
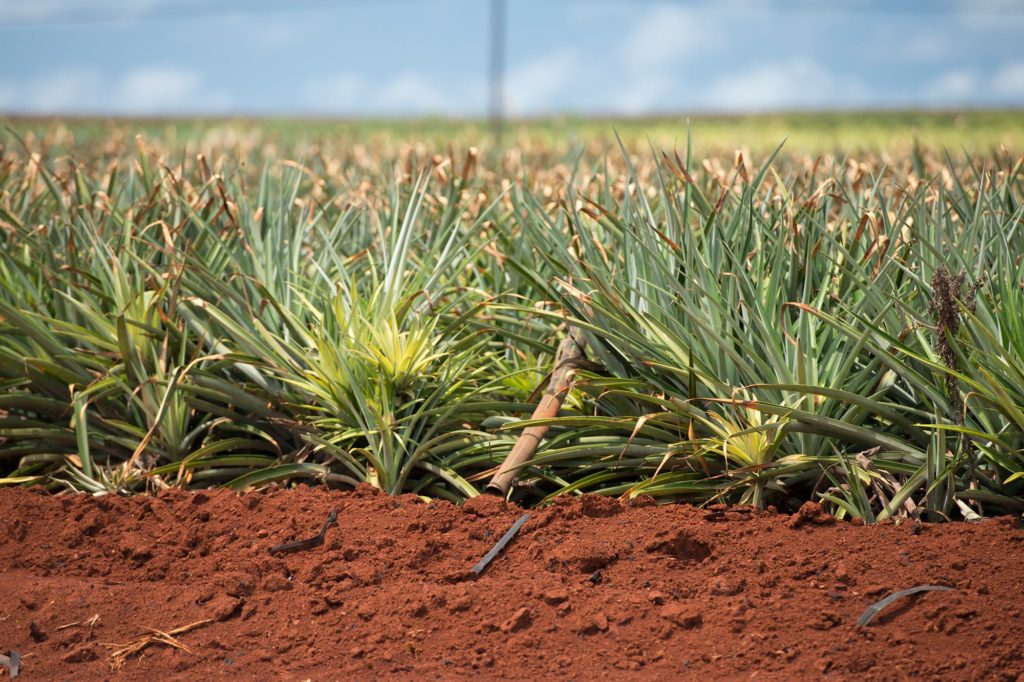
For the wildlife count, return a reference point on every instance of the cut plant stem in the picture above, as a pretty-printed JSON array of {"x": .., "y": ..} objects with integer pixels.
[{"x": 567, "y": 357}]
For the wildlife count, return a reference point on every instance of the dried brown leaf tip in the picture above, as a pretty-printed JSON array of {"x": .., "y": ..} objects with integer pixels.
[{"x": 945, "y": 307}]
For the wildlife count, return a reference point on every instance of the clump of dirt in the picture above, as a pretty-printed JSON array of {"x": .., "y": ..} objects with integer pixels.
[
  {"x": 588, "y": 587},
  {"x": 811, "y": 512}
]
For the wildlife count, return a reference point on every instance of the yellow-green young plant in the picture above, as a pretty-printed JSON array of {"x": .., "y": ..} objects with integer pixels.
[
  {"x": 378, "y": 354},
  {"x": 748, "y": 445}
]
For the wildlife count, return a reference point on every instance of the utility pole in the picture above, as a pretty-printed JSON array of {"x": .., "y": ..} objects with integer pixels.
[{"x": 497, "y": 70}]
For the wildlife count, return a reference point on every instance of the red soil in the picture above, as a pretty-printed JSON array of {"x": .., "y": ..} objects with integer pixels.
[{"x": 589, "y": 588}]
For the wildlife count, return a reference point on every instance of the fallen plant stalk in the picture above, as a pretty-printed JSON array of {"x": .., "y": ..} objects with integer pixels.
[
  {"x": 569, "y": 353},
  {"x": 91, "y": 622},
  {"x": 121, "y": 655}
]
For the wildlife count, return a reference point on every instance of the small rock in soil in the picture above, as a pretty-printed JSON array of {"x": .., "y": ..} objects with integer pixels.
[
  {"x": 555, "y": 596},
  {"x": 223, "y": 607},
  {"x": 519, "y": 621},
  {"x": 685, "y": 616},
  {"x": 595, "y": 625},
  {"x": 726, "y": 586},
  {"x": 842, "y": 574}
]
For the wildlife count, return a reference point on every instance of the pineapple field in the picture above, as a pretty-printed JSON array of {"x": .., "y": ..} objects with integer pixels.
[{"x": 746, "y": 375}]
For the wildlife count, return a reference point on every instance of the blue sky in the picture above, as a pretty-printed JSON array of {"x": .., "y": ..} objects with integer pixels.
[{"x": 415, "y": 57}]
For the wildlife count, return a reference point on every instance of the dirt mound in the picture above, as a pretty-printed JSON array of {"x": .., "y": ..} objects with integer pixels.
[{"x": 589, "y": 587}]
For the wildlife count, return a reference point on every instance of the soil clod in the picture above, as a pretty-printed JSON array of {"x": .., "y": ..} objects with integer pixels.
[{"x": 811, "y": 513}]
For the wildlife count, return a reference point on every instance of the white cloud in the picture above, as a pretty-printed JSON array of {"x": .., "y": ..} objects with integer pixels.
[
  {"x": 530, "y": 88},
  {"x": 158, "y": 88},
  {"x": 1009, "y": 81},
  {"x": 662, "y": 34},
  {"x": 144, "y": 90},
  {"x": 644, "y": 94},
  {"x": 408, "y": 94},
  {"x": 161, "y": 89},
  {"x": 794, "y": 83},
  {"x": 64, "y": 90},
  {"x": 657, "y": 42},
  {"x": 965, "y": 85},
  {"x": 411, "y": 94},
  {"x": 953, "y": 86},
  {"x": 340, "y": 92},
  {"x": 8, "y": 96}
]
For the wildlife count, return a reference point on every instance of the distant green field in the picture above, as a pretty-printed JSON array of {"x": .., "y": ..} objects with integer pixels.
[{"x": 848, "y": 132}]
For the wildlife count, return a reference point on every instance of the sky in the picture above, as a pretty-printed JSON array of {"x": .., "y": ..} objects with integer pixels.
[{"x": 406, "y": 58}]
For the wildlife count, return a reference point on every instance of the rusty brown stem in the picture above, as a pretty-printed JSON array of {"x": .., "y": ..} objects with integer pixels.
[{"x": 567, "y": 358}]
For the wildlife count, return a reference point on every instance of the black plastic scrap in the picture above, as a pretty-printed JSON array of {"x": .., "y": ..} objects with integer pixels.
[
  {"x": 12, "y": 661},
  {"x": 876, "y": 608},
  {"x": 505, "y": 539},
  {"x": 315, "y": 541}
]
